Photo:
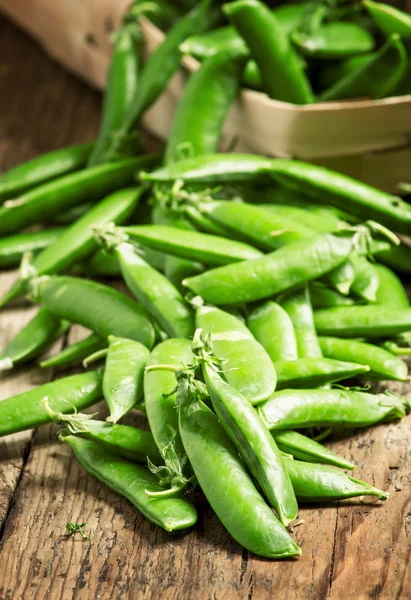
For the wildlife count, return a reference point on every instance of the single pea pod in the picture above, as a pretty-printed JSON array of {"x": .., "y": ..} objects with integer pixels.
[
  {"x": 271, "y": 325},
  {"x": 160, "y": 395},
  {"x": 76, "y": 353},
  {"x": 193, "y": 245},
  {"x": 43, "y": 168},
  {"x": 27, "y": 410},
  {"x": 78, "y": 241},
  {"x": 377, "y": 78},
  {"x": 244, "y": 362},
  {"x": 362, "y": 321},
  {"x": 323, "y": 297},
  {"x": 308, "y": 450},
  {"x": 297, "y": 305},
  {"x": 98, "y": 307},
  {"x": 339, "y": 408},
  {"x": 131, "y": 481},
  {"x": 398, "y": 258},
  {"x": 281, "y": 70},
  {"x": 40, "y": 332},
  {"x": 226, "y": 483},
  {"x": 13, "y": 248},
  {"x": 390, "y": 291},
  {"x": 49, "y": 199},
  {"x": 202, "y": 109},
  {"x": 366, "y": 282},
  {"x": 382, "y": 364},
  {"x": 286, "y": 268},
  {"x": 389, "y": 19},
  {"x": 315, "y": 372},
  {"x": 320, "y": 483},
  {"x": 254, "y": 443},
  {"x": 123, "y": 376},
  {"x": 155, "y": 292},
  {"x": 334, "y": 40}
]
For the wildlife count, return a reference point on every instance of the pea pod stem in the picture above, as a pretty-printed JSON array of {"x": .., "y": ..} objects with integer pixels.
[{"x": 96, "y": 356}]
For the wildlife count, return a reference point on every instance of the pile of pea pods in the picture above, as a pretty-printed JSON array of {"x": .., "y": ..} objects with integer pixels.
[{"x": 263, "y": 299}]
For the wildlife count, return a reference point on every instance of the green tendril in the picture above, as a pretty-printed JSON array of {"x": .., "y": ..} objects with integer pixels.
[{"x": 73, "y": 528}]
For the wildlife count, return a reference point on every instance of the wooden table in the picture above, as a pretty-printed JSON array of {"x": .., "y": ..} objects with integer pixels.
[{"x": 352, "y": 550}]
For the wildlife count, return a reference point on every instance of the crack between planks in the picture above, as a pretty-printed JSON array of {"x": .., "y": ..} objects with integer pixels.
[{"x": 331, "y": 573}]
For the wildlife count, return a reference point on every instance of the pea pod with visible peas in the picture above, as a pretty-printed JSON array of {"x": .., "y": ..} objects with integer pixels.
[
  {"x": 131, "y": 481},
  {"x": 297, "y": 304},
  {"x": 271, "y": 325},
  {"x": 98, "y": 307},
  {"x": 362, "y": 321}
]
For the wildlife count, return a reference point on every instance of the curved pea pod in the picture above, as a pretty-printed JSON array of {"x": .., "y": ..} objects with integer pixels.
[
  {"x": 39, "y": 333},
  {"x": 377, "y": 78},
  {"x": 78, "y": 241},
  {"x": 323, "y": 297},
  {"x": 366, "y": 282},
  {"x": 298, "y": 306},
  {"x": 320, "y": 483},
  {"x": 155, "y": 292},
  {"x": 272, "y": 327},
  {"x": 315, "y": 372},
  {"x": 308, "y": 450},
  {"x": 276, "y": 272},
  {"x": 389, "y": 19},
  {"x": 390, "y": 291},
  {"x": 160, "y": 394},
  {"x": 98, "y": 307},
  {"x": 202, "y": 247},
  {"x": 76, "y": 353},
  {"x": 27, "y": 410},
  {"x": 227, "y": 485},
  {"x": 382, "y": 364},
  {"x": 362, "y": 321},
  {"x": 334, "y": 40},
  {"x": 341, "y": 278},
  {"x": 123, "y": 376},
  {"x": 131, "y": 481},
  {"x": 43, "y": 168},
  {"x": 245, "y": 364},
  {"x": 339, "y": 408},
  {"x": 49, "y": 199},
  {"x": 254, "y": 442},
  {"x": 13, "y": 248},
  {"x": 272, "y": 51}
]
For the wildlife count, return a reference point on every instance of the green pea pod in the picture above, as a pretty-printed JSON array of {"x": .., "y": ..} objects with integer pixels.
[
  {"x": 27, "y": 410},
  {"x": 160, "y": 395},
  {"x": 76, "y": 353},
  {"x": 78, "y": 241},
  {"x": 49, "y": 199},
  {"x": 308, "y": 450},
  {"x": 69, "y": 216},
  {"x": 323, "y": 297},
  {"x": 155, "y": 292},
  {"x": 98, "y": 307},
  {"x": 382, "y": 364},
  {"x": 40, "y": 332},
  {"x": 104, "y": 264},
  {"x": 334, "y": 40},
  {"x": 362, "y": 321},
  {"x": 272, "y": 327},
  {"x": 321, "y": 219},
  {"x": 389, "y": 19},
  {"x": 377, "y": 78},
  {"x": 339, "y": 408},
  {"x": 121, "y": 90},
  {"x": 397, "y": 258},
  {"x": 43, "y": 168},
  {"x": 298, "y": 306},
  {"x": 245, "y": 364},
  {"x": 390, "y": 291},
  {"x": 341, "y": 278},
  {"x": 320, "y": 483},
  {"x": 314, "y": 372},
  {"x": 131, "y": 481},
  {"x": 203, "y": 247},
  {"x": 13, "y": 248},
  {"x": 254, "y": 443},
  {"x": 366, "y": 282},
  {"x": 123, "y": 376},
  {"x": 276, "y": 272},
  {"x": 202, "y": 109},
  {"x": 281, "y": 71},
  {"x": 226, "y": 483},
  {"x": 331, "y": 71}
]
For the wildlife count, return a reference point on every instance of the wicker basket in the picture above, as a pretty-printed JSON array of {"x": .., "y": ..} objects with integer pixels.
[{"x": 367, "y": 139}]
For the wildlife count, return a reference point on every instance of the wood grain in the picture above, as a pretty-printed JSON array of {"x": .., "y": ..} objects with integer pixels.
[{"x": 352, "y": 550}]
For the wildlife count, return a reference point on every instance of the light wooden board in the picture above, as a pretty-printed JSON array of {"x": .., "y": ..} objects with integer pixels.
[{"x": 353, "y": 550}]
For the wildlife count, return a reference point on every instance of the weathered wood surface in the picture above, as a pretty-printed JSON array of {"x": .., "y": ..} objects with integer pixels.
[{"x": 353, "y": 550}]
